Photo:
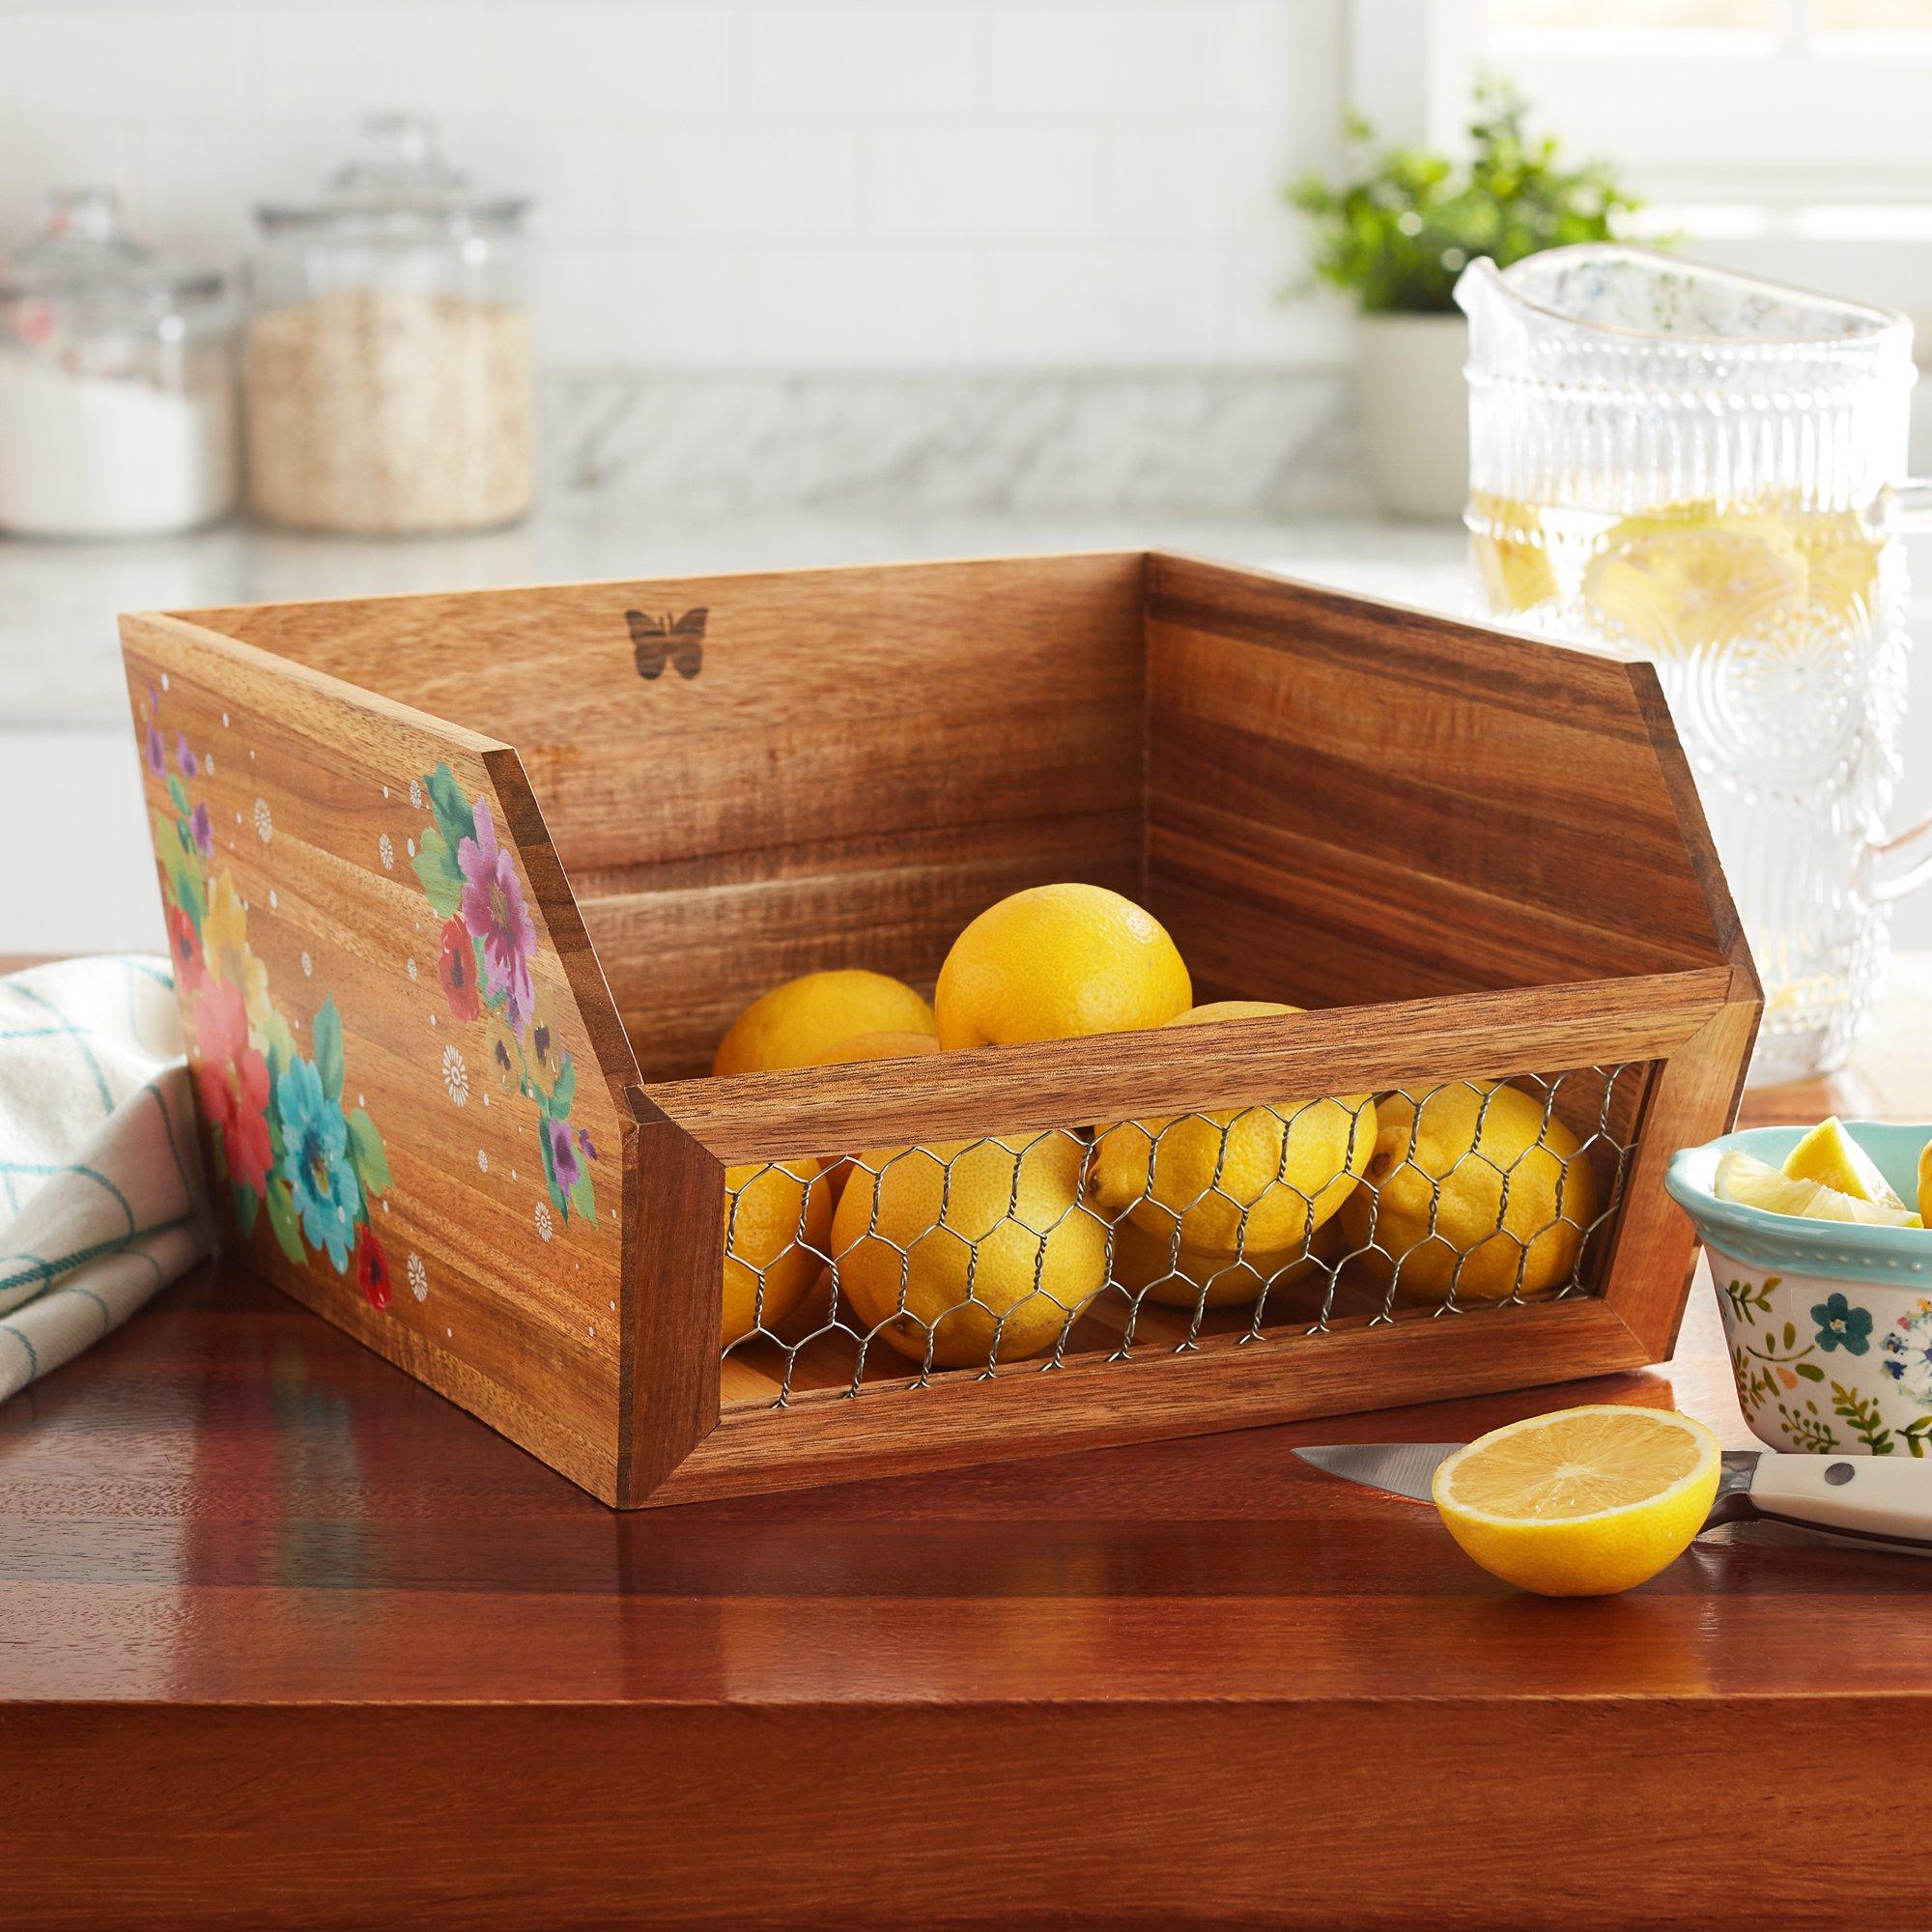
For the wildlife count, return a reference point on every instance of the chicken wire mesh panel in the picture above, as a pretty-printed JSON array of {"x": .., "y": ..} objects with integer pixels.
[{"x": 1022, "y": 1251}]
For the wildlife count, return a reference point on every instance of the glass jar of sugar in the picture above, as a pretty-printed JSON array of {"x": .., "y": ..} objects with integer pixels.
[
  {"x": 117, "y": 382},
  {"x": 387, "y": 369}
]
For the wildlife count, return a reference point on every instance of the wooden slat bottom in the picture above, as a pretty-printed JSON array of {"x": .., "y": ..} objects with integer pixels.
[{"x": 960, "y": 1418}]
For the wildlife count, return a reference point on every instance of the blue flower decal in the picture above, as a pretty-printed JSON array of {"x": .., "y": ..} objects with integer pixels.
[
  {"x": 1909, "y": 1354},
  {"x": 1840, "y": 1326},
  {"x": 315, "y": 1161}
]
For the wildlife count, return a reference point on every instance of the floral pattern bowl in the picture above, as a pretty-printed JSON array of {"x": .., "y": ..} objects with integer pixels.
[{"x": 1829, "y": 1324}]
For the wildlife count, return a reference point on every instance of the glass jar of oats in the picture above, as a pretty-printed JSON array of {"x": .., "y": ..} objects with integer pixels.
[{"x": 388, "y": 375}]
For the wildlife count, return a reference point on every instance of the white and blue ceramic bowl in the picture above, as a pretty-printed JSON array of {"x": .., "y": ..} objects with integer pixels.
[{"x": 1829, "y": 1322}]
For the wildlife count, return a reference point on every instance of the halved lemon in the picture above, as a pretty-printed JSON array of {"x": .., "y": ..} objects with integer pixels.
[
  {"x": 1583, "y": 1502},
  {"x": 1755, "y": 1183},
  {"x": 1828, "y": 1155}
]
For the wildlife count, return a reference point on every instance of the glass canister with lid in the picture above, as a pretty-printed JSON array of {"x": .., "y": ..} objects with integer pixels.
[
  {"x": 389, "y": 366},
  {"x": 117, "y": 390}
]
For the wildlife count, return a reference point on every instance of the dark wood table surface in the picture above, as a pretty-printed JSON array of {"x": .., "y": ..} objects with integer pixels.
[{"x": 286, "y": 1641}]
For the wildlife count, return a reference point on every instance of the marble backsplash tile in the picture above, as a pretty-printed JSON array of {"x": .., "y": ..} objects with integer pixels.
[{"x": 1228, "y": 441}]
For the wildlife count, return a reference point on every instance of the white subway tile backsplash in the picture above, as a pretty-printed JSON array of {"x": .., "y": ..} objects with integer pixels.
[
  {"x": 987, "y": 182},
  {"x": 743, "y": 181},
  {"x": 876, "y": 58},
  {"x": 613, "y": 306},
  {"x": 661, "y": 59},
  {"x": 362, "y": 60},
  {"x": 145, "y": 61},
  {"x": 1119, "y": 305},
  {"x": 904, "y": 185},
  {"x": 1113, "y": 57},
  {"x": 876, "y": 307}
]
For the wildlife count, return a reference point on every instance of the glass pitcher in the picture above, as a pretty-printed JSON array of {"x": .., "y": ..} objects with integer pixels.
[{"x": 1703, "y": 469}]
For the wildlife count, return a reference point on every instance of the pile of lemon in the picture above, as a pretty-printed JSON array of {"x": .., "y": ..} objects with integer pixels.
[{"x": 970, "y": 1251}]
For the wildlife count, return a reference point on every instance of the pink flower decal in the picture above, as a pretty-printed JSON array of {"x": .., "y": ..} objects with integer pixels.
[
  {"x": 151, "y": 749},
  {"x": 493, "y": 911},
  {"x": 184, "y": 755},
  {"x": 232, "y": 1080}
]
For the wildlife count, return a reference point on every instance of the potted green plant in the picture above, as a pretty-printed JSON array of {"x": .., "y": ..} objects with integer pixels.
[{"x": 1397, "y": 235}]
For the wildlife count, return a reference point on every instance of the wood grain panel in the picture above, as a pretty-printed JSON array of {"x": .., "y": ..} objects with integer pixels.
[{"x": 307, "y": 784}]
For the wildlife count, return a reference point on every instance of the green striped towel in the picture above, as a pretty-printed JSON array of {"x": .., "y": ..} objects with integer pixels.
[{"x": 101, "y": 1191}]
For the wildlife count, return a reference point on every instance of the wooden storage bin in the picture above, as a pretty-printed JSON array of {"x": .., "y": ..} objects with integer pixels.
[{"x": 1470, "y": 855}]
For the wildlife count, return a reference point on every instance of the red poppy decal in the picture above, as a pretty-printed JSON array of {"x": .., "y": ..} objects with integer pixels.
[
  {"x": 457, "y": 969},
  {"x": 372, "y": 1269}
]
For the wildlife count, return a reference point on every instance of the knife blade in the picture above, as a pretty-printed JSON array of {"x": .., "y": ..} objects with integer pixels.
[{"x": 1863, "y": 1499}]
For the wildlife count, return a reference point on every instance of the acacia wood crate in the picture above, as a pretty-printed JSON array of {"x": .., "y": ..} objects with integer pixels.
[{"x": 501, "y": 1166}]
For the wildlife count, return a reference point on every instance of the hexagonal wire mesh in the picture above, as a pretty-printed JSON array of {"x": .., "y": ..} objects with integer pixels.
[{"x": 1027, "y": 1249}]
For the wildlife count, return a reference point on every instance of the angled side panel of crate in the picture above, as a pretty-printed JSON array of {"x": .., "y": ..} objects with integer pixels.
[{"x": 408, "y": 1067}]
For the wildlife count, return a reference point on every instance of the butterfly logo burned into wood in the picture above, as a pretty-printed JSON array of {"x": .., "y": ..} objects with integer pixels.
[{"x": 678, "y": 641}]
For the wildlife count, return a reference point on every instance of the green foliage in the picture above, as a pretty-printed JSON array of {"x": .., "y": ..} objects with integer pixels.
[
  {"x": 1397, "y": 236},
  {"x": 287, "y": 1224},
  {"x": 437, "y": 867},
  {"x": 367, "y": 1151},
  {"x": 327, "y": 1037}
]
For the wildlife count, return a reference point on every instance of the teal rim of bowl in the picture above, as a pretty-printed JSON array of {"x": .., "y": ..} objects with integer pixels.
[{"x": 1844, "y": 1249}]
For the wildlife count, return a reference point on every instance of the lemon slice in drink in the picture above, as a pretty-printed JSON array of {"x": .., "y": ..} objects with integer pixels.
[
  {"x": 1828, "y": 1155},
  {"x": 1755, "y": 1183},
  {"x": 1582, "y": 1503}
]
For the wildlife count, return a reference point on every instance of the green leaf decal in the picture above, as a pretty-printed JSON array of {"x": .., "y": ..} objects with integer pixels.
[
  {"x": 437, "y": 867},
  {"x": 454, "y": 817},
  {"x": 283, "y": 1219},
  {"x": 1810, "y": 1371},
  {"x": 366, "y": 1150},
  {"x": 564, "y": 1091},
  {"x": 179, "y": 793},
  {"x": 248, "y": 1204},
  {"x": 584, "y": 1197},
  {"x": 327, "y": 1036}
]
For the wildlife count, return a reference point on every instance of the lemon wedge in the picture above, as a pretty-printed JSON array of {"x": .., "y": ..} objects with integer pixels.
[
  {"x": 1755, "y": 1183},
  {"x": 1828, "y": 1155},
  {"x": 1925, "y": 1181},
  {"x": 1582, "y": 1503}
]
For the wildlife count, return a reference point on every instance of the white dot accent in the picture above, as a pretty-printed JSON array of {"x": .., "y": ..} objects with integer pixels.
[
  {"x": 409, "y": 967},
  {"x": 385, "y": 791},
  {"x": 208, "y": 763},
  {"x": 164, "y": 681},
  {"x": 482, "y": 1160},
  {"x": 308, "y": 967},
  {"x": 432, "y": 1019},
  {"x": 224, "y": 719},
  {"x": 411, "y": 843},
  {"x": 417, "y": 793},
  {"x": 273, "y": 899},
  {"x": 265, "y": 824}
]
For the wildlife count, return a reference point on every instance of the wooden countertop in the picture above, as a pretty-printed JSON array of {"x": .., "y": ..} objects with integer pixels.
[{"x": 285, "y": 1640}]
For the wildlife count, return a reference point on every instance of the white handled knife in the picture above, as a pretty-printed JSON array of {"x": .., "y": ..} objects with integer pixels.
[{"x": 1866, "y": 1499}]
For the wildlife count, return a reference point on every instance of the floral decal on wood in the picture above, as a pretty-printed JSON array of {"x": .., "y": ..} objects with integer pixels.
[
  {"x": 488, "y": 942},
  {"x": 282, "y": 1140}
]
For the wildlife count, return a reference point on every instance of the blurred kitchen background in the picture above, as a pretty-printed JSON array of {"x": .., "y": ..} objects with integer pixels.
[{"x": 840, "y": 280}]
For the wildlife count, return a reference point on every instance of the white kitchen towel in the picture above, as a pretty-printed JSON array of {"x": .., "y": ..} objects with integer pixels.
[{"x": 100, "y": 1195}]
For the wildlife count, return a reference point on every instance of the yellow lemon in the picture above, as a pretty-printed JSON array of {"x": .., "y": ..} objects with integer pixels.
[
  {"x": 793, "y": 1024},
  {"x": 1056, "y": 962},
  {"x": 1507, "y": 543},
  {"x": 1434, "y": 1201},
  {"x": 1690, "y": 575},
  {"x": 1925, "y": 1184},
  {"x": 1150, "y": 1265},
  {"x": 981, "y": 1244},
  {"x": 1755, "y": 1183},
  {"x": 1828, "y": 1155},
  {"x": 1271, "y": 1173},
  {"x": 1583, "y": 1502},
  {"x": 778, "y": 1223},
  {"x": 868, "y": 1047}
]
